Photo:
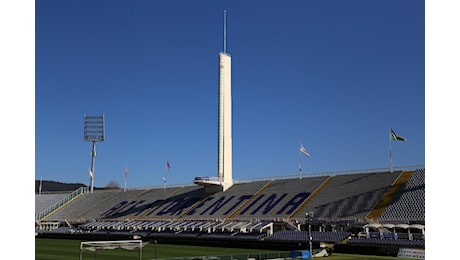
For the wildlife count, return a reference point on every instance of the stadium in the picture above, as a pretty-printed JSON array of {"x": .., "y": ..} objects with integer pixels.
[
  {"x": 372, "y": 211},
  {"x": 369, "y": 211}
]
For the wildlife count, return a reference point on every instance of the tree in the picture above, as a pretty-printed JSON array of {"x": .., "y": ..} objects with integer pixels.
[{"x": 112, "y": 185}]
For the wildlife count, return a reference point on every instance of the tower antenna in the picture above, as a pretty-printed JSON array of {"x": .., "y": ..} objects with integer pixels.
[{"x": 225, "y": 31}]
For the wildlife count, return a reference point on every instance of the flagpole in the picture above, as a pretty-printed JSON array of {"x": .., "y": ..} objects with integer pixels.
[
  {"x": 302, "y": 151},
  {"x": 300, "y": 160},
  {"x": 126, "y": 176},
  {"x": 300, "y": 165},
  {"x": 164, "y": 175},
  {"x": 40, "y": 187},
  {"x": 391, "y": 157},
  {"x": 168, "y": 166},
  {"x": 90, "y": 177}
]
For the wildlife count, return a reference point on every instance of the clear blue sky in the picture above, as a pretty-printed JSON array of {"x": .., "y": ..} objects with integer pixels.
[{"x": 334, "y": 75}]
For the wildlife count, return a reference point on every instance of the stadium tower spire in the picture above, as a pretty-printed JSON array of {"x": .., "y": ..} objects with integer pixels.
[
  {"x": 224, "y": 178},
  {"x": 225, "y": 31},
  {"x": 225, "y": 115}
]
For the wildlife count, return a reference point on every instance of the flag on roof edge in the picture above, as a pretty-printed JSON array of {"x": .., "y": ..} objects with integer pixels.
[
  {"x": 304, "y": 151},
  {"x": 168, "y": 165},
  {"x": 394, "y": 136}
]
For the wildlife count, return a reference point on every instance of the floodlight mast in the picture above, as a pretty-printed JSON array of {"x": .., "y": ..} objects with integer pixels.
[{"x": 93, "y": 132}]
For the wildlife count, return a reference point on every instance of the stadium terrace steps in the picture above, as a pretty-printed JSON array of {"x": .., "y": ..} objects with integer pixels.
[
  {"x": 43, "y": 215},
  {"x": 194, "y": 206},
  {"x": 44, "y": 201},
  {"x": 311, "y": 197},
  {"x": 282, "y": 198},
  {"x": 71, "y": 210},
  {"x": 389, "y": 196},
  {"x": 97, "y": 204},
  {"x": 151, "y": 193},
  {"x": 302, "y": 236},
  {"x": 345, "y": 197},
  {"x": 247, "y": 201},
  {"x": 386, "y": 242},
  {"x": 155, "y": 204},
  {"x": 350, "y": 196},
  {"x": 175, "y": 204},
  {"x": 221, "y": 204},
  {"x": 409, "y": 204},
  {"x": 96, "y": 211},
  {"x": 173, "y": 193},
  {"x": 263, "y": 211}
]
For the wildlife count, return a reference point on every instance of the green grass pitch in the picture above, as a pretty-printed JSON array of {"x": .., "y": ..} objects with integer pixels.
[{"x": 59, "y": 249}]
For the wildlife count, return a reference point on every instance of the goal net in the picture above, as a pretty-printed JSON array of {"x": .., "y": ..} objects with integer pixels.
[{"x": 120, "y": 244}]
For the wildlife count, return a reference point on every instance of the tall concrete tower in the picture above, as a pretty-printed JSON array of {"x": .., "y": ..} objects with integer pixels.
[
  {"x": 224, "y": 179},
  {"x": 224, "y": 171}
]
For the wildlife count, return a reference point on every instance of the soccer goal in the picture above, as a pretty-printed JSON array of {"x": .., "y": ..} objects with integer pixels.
[{"x": 102, "y": 245}]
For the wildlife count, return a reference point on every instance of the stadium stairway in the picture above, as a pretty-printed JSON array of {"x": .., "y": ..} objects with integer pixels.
[
  {"x": 106, "y": 203},
  {"x": 97, "y": 204},
  {"x": 194, "y": 205},
  {"x": 45, "y": 201},
  {"x": 388, "y": 197},
  {"x": 409, "y": 204},
  {"x": 232, "y": 214},
  {"x": 41, "y": 216},
  {"x": 349, "y": 197},
  {"x": 324, "y": 184},
  {"x": 141, "y": 216},
  {"x": 179, "y": 191},
  {"x": 79, "y": 204}
]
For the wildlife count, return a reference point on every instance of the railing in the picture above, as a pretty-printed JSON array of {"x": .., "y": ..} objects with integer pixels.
[
  {"x": 295, "y": 176},
  {"x": 162, "y": 186},
  {"x": 207, "y": 178},
  {"x": 307, "y": 175},
  {"x": 60, "y": 203},
  {"x": 259, "y": 256}
]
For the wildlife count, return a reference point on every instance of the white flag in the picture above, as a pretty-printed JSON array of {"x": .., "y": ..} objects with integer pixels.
[{"x": 304, "y": 151}]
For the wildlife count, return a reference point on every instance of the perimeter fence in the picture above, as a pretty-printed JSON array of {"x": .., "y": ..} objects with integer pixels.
[{"x": 251, "y": 256}]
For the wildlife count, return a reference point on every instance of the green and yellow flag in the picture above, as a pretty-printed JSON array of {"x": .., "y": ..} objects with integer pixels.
[{"x": 394, "y": 136}]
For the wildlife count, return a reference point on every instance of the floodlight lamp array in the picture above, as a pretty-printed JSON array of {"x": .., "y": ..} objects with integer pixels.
[{"x": 94, "y": 128}]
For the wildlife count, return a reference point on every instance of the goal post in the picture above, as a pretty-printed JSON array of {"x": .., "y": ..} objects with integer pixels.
[{"x": 102, "y": 245}]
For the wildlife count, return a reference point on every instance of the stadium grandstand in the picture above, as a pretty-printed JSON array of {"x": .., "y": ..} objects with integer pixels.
[{"x": 356, "y": 209}]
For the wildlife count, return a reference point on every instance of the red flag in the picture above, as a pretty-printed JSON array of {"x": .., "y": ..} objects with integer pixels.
[{"x": 168, "y": 165}]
